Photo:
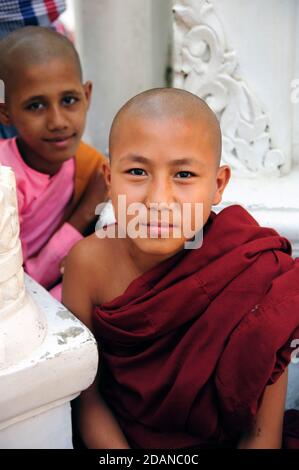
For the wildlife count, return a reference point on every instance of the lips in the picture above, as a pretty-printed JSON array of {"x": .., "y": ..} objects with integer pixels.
[
  {"x": 158, "y": 225},
  {"x": 59, "y": 139},
  {"x": 159, "y": 229}
]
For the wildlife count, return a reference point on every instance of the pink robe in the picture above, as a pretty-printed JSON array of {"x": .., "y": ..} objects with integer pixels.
[{"x": 42, "y": 201}]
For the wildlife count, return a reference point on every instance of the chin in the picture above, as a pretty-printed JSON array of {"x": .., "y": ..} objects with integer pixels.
[
  {"x": 60, "y": 158},
  {"x": 159, "y": 246}
]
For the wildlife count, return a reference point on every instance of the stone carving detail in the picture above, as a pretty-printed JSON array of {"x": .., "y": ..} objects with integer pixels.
[
  {"x": 22, "y": 327},
  {"x": 205, "y": 65},
  {"x": 11, "y": 272}
]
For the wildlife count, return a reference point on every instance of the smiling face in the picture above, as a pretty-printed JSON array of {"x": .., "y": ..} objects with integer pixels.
[
  {"x": 162, "y": 162},
  {"x": 47, "y": 103}
]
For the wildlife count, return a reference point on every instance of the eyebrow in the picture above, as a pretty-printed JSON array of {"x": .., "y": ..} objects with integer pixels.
[
  {"x": 176, "y": 162},
  {"x": 135, "y": 158},
  {"x": 42, "y": 97},
  {"x": 71, "y": 92},
  {"x": 186, "y": 161},
  {"x": 33, "y": 98}
]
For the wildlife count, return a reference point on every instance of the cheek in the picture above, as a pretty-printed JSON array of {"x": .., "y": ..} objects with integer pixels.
[
  {"x": 28, "y": 126},
  {"x": 79, "y": 118},
  {"x": 121, "y": 185},
  {"x": 205, "y": 191},
  {"x": 197, "y": 201},
  {"x": 192, "y": 193},
  {"x": 116, "y": 186}
]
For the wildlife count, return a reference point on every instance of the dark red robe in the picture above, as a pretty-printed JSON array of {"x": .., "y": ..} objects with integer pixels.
[{"x": 188, "y": 349}]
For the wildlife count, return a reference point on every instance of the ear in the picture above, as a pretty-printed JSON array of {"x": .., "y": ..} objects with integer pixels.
[
  {"x": 4, "y": 115},
  {"x": 222, "y": 178},
  {"x": 87, "y": 92},
  {"x": 107, "y": 176}
]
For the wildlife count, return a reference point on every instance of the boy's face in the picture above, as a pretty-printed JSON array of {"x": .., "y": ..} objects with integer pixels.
[
  {"x": 166, "y": 161},
  {"x": 47, "y": 103}
]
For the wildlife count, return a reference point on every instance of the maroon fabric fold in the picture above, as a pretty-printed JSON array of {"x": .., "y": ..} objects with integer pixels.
[{"x": 188, "y": 349}]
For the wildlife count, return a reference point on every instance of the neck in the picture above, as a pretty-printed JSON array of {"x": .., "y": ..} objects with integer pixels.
[
  {"x": 146, "y": 261},
  {"x": 34, "y": 161}
]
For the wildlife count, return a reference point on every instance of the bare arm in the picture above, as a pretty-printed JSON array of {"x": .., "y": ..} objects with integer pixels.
[
  {"x": 95, "y": 194},
  {"x": 267, "y": 430},
  {"x": 97, "y": 425}
]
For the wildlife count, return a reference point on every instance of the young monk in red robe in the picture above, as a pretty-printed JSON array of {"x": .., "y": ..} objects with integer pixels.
[{"x": 194, "y": 343}]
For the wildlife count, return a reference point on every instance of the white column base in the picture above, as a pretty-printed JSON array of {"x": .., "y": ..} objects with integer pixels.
[
  {"x": 51, "y": 429},
  {"x": 36, "y": 392}
]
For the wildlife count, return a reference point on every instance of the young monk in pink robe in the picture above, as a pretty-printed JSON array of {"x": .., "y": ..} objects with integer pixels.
[
  {"x": 194, "y": 343},
  {"x": 47, "y": 102}
]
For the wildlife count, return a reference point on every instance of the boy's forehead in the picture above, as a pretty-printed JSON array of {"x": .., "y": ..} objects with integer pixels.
[
  {"x": 177, "y": 111},
  {"x": 37, "y": 78},
  {"x": 29, "y": 47},
  {"x": 46, "y": 70},
  {"x": 170, "y": 141},
  {"x": 170, "y": 121},
  {"x": 173, "y": 127}
]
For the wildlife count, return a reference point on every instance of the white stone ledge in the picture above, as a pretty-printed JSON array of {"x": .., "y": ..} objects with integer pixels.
[
  {"x": 273, "y": 202},
  {"x": 58, "y": 370}
]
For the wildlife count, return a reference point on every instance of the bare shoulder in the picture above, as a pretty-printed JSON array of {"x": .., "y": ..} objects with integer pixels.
[
  {"x": 89, "y": 264},
  {"x": 86, "y": 253}
]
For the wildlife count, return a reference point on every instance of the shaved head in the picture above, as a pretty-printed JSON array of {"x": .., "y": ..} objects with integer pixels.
[
  {"x": 33, "y": 45},
  {"x": 173, "y": 104}
]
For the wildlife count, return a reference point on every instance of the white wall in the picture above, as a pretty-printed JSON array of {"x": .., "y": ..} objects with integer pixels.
[{"x": 295, "y": 106}]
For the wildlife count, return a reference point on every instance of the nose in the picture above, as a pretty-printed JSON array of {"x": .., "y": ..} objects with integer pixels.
[
  {"x": 56, "y": 120},
  {"x": 159, "y": 192}
]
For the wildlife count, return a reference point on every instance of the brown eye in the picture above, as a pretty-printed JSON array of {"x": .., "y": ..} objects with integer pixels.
[
  {"x": 137, "y": 172},
  {"x": 69, "y": 100},
  {"x": 184, "y": 174},
  {"x": 35, "y": 106}
]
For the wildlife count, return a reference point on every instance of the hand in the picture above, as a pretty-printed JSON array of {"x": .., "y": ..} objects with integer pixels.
[
  {"x": 85, "y": 212},
  {"x": 62, "y": 265}
]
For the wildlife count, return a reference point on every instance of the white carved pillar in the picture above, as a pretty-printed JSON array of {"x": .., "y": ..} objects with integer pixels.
[
  {"x": 47, "y": 357},
  {"x": 124, "y": 50},
  {"x": 240, "y": 56},
  {"x": 22, "y": 326}
]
